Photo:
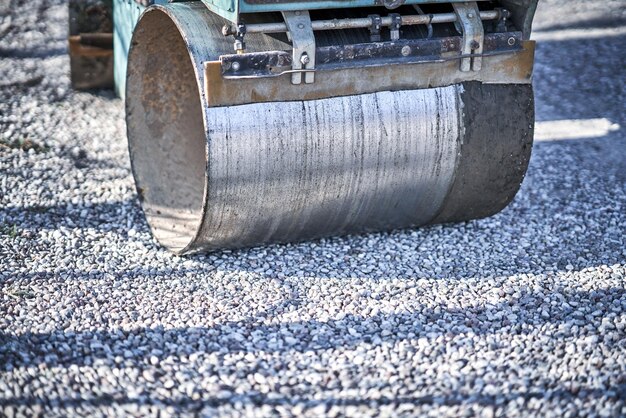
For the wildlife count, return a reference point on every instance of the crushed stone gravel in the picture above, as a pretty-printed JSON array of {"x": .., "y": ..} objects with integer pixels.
[{"x": 521, "y": 314}]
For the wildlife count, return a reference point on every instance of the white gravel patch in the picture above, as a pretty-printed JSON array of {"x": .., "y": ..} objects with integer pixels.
[{"x": 521, "y": 314}]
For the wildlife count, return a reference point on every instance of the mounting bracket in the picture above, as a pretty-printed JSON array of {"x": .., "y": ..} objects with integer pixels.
[
  {"x": 473, "y": 34},
  {"x": 303, "y": 42}
]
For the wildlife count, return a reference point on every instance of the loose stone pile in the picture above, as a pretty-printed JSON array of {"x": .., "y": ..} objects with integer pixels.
[{"x": 520, "y": 314}]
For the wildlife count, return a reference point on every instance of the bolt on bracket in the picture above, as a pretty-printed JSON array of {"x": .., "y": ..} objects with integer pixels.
[
  {"x": 473, "y": 34},
  {"x": 303, "y": 42}
]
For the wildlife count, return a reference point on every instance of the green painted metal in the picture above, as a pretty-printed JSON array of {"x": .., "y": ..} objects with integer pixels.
[{"x": 125, "y": 15}]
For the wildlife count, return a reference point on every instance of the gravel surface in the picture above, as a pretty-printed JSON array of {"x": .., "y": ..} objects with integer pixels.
[{"x": 521, "y": 314}]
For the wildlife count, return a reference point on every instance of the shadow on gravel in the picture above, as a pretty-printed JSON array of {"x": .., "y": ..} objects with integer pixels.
[
  {"x": 101, "y": 216},
  {"x": 33, "y": 53},
  {"x": 515, "y": 316},
  {"x": 582, "y": 394}
]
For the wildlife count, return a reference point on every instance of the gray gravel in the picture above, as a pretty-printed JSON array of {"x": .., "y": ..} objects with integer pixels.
[{"x": 521, "y": 314}]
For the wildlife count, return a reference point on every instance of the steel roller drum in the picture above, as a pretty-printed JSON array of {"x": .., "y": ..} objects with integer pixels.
[{"x": 228, "y": 177}]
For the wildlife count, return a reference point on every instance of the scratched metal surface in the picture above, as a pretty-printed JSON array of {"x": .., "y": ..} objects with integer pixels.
[{"x": 296, "y": 170}]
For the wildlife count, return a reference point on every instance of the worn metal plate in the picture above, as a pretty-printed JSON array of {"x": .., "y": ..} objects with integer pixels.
[
  {"x": 512, "y": 68},
  {"x": 373, "y": 54}
]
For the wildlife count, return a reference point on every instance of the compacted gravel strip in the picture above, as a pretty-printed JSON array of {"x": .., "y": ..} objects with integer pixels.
[{"x": 521, "y": 314}]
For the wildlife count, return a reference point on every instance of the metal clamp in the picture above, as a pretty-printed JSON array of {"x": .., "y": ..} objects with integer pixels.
[
  {"x": 238, "y": 33},
  {"x": 501, "y": 23},
  {"x": 375, "y": 28},
  {"x": 394, "y": 28},
  {"x": 473, "y": 34},
  {"x": 303, "y": 42}
]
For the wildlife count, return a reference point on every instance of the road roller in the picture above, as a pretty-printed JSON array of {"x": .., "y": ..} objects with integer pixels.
[{"x": 252, "y": 122}]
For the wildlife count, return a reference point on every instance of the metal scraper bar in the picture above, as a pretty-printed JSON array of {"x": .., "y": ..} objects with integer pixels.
[{"x": 513, "y": 67}]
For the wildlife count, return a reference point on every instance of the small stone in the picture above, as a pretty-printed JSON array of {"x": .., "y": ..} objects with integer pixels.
[{"x": 149, "y": 375}]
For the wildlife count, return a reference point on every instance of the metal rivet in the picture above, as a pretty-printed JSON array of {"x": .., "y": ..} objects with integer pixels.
[
  {"x": 470, "y": 15},
  {"x": 301, "y": 26},
  {"x": 236, "y": 66},
  {"x": 511, "y": 41},
  {"x": 406, "y": 50},
  {"x": 304, "y": 59}
]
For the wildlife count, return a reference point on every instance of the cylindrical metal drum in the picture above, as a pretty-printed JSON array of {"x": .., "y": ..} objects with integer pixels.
[{"x": 227, "y": 177}]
